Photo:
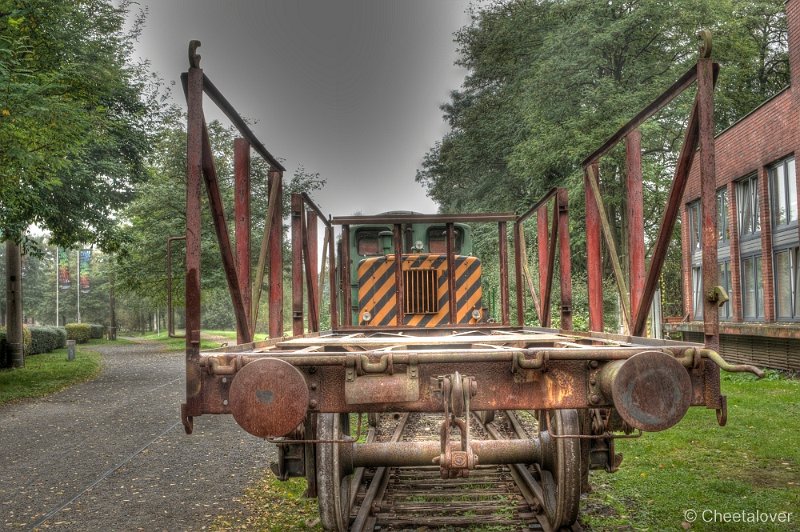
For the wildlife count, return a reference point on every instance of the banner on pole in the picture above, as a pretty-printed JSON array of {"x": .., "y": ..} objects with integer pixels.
[
  {"x": 85, "y": 265},
  {"x": 64, "y": 281}
]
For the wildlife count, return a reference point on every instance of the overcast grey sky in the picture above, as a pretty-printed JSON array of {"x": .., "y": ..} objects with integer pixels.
[{"x": 350, "y": 89}]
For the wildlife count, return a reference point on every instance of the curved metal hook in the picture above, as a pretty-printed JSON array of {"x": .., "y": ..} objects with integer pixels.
[
  {"x": 705, "y": 47},
  {"x": 194, "y": 57}
]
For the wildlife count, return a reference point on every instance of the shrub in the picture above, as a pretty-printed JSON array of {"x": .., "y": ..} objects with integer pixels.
[
  {"x": 80, "y": 332},
  {"x": 62, "y": 336},
  {"x": 96, "y": 330},
  {"x": 44, "y": 339}
]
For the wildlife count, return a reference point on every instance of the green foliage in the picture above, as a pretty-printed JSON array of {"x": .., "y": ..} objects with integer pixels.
[
  {"x": 80, "y": 332},
  {"x": 548, "y": 82},
  {"x": 74, "y": 118},
  {"x": 45, "y": 339},
  {"x": 96, "y": 330}
]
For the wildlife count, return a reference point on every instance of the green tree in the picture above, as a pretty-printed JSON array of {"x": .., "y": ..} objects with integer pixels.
[{"x": 550, "y": 80}]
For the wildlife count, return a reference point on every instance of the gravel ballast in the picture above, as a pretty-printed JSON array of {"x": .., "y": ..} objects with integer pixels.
[{"x": 112, "y": 454}]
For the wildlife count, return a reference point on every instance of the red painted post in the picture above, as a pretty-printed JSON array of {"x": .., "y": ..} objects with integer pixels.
[
  {"x": 519, "y": 241},
  {"x": 310, "y": 243},
  {"x": 223, "y": 237},
  {"x": 503, "y": 249},
  {"x": 241, "y": 209},
  {"x": 333, "y": 285},
  {"x": 398, "y": 275},
  {"x": 708, "y": 189},
  {"x": 297, "y": 265},
  {"x": 276, "y": 259},
  {"x": 542, "y": 223},
  {"x": 451, "y": 274},
  {"x": 594, "y": 265},
  {"x": 635, "y": 215},
  {"x": 347, "y": 290},
  {"x": 310, "y": 269},
  {"x": 564, "y": 259},
  {"x": 194, "y": 170}
]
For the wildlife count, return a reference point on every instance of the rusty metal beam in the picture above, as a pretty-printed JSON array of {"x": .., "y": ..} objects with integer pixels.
[
  {"x": 659, "y": 103},
  {"x": 451, "y": 273},
  {"x": 314, "y": 207},
  {"x": 334, "y": 289},
  {"x": 635, "y": 215},
  {"x": 194, "y": 170},
  {"x": 668, "y": 220},
  {"x": 608, "y": 235},
  {"x": 309, "y": 233},
  {"x": 297, "y": 265},
  {"x": 533, "y": 210},
  {"x": 223, "y": 238},
  {"x": 503, "y": 250},
  {"x": 594, "y": 264},
  {"x": 347, "y": 290},
  {"x": 423, "y": 218},
  {"x": 272, "y": 208},
  {"x": 398, "y": 273},
  {"x": 276, "y": 257},
  {"x": 564, "y": 259},
  {"x": 542, "y": 236},
  {"x": 708, "y": 195},
  {"x": 241, "y": 210},
  {"x": 519, "y": 245},
  {"x": 550, "y": 257}
]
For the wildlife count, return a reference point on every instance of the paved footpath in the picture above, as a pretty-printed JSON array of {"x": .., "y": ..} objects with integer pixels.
[{"x": 111, "y": 454}]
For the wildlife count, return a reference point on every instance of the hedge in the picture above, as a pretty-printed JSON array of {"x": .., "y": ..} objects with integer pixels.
[
  {"x": 96, "y": 330},
  {"x": 80, "y": 332},
  {"x": 62, "y": 333},
  {"x": 45, "y": 339}
]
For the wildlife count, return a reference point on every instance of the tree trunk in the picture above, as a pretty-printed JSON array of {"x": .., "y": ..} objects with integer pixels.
[{"x": 14, "y": 305}]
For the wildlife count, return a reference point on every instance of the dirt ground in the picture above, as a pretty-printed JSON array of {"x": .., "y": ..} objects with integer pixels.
[{"x": 111, "y": 454}]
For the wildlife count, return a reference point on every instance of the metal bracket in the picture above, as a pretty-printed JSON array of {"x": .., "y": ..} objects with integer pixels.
[
  {"x": 525, "y": 370},
  {"x": 369, "y": 382},
  {"x": 456, "y": 461}
]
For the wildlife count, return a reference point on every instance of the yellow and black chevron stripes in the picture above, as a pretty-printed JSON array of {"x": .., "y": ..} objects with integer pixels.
[{"x": 376, "y": 290}]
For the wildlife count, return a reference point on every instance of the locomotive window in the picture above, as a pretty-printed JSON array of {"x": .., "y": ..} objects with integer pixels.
[
  {"x": 437, "y": 239},
  {"x": 367, "y": 243}
]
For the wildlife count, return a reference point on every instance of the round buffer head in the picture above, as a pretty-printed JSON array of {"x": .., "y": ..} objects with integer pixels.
[{"x": 268, "y": 397}]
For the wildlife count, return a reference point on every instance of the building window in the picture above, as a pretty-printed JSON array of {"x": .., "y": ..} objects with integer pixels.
[
  {"x": 724, "y": 280},
  {"x": 695, "y": 233},
  {"x": 723, "y": 235},
  {"x": 752, "y": 294},
  {"x": 747, "y": 204},
  {"x": 787, "y": 305},
  {"x": 697, "y": 293},
  {"x": 783, "y": 192}
]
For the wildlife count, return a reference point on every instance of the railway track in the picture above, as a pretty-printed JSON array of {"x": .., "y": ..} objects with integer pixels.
[{"x": 404, "y": 498}]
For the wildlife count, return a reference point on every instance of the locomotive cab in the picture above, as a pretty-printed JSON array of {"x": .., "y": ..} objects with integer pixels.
[{"x": 425, "y": 273}]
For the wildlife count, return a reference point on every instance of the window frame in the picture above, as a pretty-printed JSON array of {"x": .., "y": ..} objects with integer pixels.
[
  {"x": 723, "y": 231},
  {"x": 786, "y": 192},
  {"x": 694, "y": 213},
  {"x": 794, "y": 282},
  {"x": 758, "y": 289},
  {"x": 747, "y": 195},
  {"x": 726, "y": 310}
]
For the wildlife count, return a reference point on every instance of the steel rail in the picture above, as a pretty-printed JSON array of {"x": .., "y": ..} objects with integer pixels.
[{"x": 377, "y": 484}]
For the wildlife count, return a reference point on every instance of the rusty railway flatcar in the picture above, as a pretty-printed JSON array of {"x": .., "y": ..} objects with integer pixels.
[{"x": 411, "y": 332}]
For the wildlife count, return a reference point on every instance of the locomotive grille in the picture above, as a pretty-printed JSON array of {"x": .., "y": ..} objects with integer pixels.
[{"x": 421, "y": 291}]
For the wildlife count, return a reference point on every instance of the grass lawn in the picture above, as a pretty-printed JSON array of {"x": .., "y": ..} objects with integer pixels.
[
  {"x": 209, "y": 339},
  {"x": 750, "y": 465},
  {"x": 47, "y": 373}
]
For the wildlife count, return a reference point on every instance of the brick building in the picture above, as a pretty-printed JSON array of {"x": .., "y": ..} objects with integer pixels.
[{"x": 757, "y": 229}]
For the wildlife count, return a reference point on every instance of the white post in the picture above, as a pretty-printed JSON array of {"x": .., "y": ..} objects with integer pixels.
[{"x": 58, "y": 287}]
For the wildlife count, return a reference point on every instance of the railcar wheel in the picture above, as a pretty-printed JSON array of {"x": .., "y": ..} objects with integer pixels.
[
  {"x": 560, "y": 473},
  {"x": 333, "y": 484}
]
